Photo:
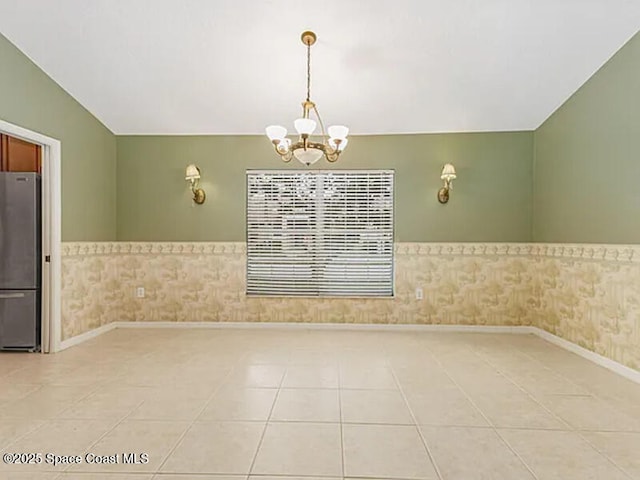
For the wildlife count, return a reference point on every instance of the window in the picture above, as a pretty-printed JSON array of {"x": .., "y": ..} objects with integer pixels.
[{"x": 320, "y": 233}]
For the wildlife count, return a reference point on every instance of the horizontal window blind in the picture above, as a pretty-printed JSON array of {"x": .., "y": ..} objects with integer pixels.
[{"x": 320, "y": 233}]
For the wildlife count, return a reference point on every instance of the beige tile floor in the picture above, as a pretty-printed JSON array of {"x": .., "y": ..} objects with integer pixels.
[{"x": 283, "y": 404}]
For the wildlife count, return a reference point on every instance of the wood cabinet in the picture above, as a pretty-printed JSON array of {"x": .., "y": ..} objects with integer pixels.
[{"x": 19, "y": 156}]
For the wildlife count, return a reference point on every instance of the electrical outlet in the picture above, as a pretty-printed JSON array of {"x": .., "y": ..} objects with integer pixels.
[
  {"x": 419, "y": 294},
  {"x": 140, "y": 292}
]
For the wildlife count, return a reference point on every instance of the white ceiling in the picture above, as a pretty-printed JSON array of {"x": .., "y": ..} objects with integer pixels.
[{"x": 235, "y": 66}]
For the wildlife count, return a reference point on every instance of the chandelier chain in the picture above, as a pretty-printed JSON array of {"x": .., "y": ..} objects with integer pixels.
[{"x": 308, "y": 72}]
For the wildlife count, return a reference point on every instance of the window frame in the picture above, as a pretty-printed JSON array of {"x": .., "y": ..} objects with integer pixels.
[{"x": 391, "y": 172}]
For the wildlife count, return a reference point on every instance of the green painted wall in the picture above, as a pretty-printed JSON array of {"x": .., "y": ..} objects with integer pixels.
[
  {"x": 491, "y": 199},
  {"x": 30, "y": 99},
  {"x": 587, "y": 159}
]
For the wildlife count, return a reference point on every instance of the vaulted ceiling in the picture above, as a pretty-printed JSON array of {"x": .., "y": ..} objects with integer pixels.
[{"x": 379, "y": 66}]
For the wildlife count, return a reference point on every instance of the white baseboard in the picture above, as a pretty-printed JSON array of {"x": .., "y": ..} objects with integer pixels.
[
  {"x": 329, "y": 326},
  {"x": 605, "y": 362},
  {"x": 70, "y": 342},
  {"x": 620, "y": 369},
  {"x": 83, "y": 337}
]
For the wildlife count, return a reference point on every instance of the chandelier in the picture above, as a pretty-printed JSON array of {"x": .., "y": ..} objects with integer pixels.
[{"x": 305, "y": 149}]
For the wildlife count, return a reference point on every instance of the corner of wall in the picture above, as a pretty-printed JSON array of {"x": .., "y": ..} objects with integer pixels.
[{"x": 532, "y": 228}]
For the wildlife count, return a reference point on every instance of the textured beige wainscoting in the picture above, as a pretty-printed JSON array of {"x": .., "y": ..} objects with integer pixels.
[
  {"x": 91, "y": 288},
  {"x": 469, "y": 284},
  {"x": 590, "y": 295},
  {"x": 587, "y": 294}
]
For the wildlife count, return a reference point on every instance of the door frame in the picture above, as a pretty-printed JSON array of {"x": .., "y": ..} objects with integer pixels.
[{"x": 51, "y": 232}]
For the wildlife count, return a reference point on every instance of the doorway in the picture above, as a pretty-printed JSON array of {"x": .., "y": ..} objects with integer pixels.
[{"x": 46, "y": 159}]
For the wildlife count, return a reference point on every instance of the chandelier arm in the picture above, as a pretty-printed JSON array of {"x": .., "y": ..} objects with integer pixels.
[
  {"x": 324, "y": 134},
  {"x": 286, "y": 156},
  {"x": 317, "y": 145},
  {"x": 308, "y": 144}
]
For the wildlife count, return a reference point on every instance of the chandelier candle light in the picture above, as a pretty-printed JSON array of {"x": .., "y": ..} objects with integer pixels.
[{"x": 304, "y": 149}]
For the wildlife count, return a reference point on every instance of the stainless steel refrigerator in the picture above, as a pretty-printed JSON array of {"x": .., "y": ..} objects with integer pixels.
[{"x": 20, "y": 261}]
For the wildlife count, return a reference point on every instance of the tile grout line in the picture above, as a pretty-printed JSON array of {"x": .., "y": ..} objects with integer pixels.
[
  {"x": 342, "y": 452},
  {"x": 613, "y": 462},
  {"x": 195, "y": 419},
  {"x": 125, "y": 417},
  {"x": 572, "y": 429},
  {"x": 564, "y": 377},
  {"x": 487, "y": 419},
  {"x": 519, "y": 387},
  {"x": 48, "y": 420},
  {"x": 107, "y": 433},
  {"x": 292, "y": 476},
  {"x": 266, "y": 423},
  {"x": 483, "y": 354},
  {"x": 557, "y": 417},
  {"x": 546, "y": 367},
  {"x": 415, "y": 424}
]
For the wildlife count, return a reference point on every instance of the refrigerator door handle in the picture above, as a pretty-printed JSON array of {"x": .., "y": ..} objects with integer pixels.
[{"x": 11, "y": 295}]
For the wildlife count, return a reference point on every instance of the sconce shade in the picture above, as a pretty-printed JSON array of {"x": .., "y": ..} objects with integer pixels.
[
  {"x": 192, "y": 173},
  {"x": 448, "y": 172}
]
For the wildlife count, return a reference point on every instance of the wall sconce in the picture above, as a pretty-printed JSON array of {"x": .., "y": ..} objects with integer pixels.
[
  {"x": 192, "y": 175},
  {"x": 448, "y": 175}
]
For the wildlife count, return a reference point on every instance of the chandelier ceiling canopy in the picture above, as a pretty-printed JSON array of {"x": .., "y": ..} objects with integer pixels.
[{"x": 306, "y": 149}]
